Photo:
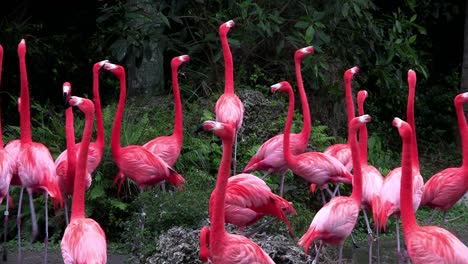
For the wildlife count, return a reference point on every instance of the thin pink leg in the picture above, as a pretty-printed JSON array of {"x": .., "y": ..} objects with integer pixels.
[
  {"x": 19, "y": 259},
  {"x": 46, "y": 239},
  {"x": 33, "y": 215}
]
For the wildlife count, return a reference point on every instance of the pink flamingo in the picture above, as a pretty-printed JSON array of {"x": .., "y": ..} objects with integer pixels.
[
  {"x": 335, "y": 221},
  {"x": 389, "y": 198},
  {"x": 270, "y": 156},
  {"x": 134, "y": 161},
  {"x": 229, "y": 108},
  {"x": 448, "y": 186},
  {"x": 6, "y": 169},
  {"x": 248, "y": 199},
  {"x": 34, "y": 163},
  {"x": 314, "y": 167},
  {"x": 342, "y": 151},
  {"x": 204, "y": 244},
  {"x": 426, "y": 244},
  {"x": 224, "y": 247},
  {"x": 372, "y": 179},
  {"x": 96, "y": 149},
  {"x": 84, "y": 241}
]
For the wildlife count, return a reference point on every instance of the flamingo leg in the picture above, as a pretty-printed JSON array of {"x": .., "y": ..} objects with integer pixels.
[
  {"x": 400, "y": 256},
  {"x": 317, "y": 253},
  {"x": 340, "y": 253},
  {"x": 330, "y": 192},
  {"x": 282, "y": 184},
  {"x": 429, "y": 220},
  {"x": 323, "y": 197},
  {"x": 369, "y": 234},
  {"x": 354, "y": 241},
  {"x": 142, "y": 215},
  {"x": 46, "y": 238},
  {"x": 163, "y": 186},
  {"x": 443, "y": 218},
  {"x": 66, "y": 211},
  {"x": 5, "y": 227},
  {"x": 260, "y": 227},
  {"x": 234, "y": 160},
  {"x": 18, "y": 224},
  {"x": 337, "y": 190},
  {"x": 265, "y": 175},
  {"x": 377, "y": 240},
  {"x": 33, "y": 215}
]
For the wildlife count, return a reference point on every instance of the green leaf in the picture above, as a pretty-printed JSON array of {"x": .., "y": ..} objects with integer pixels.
[
  {"x": 309, "y": 35},
  {"x": 398, "y": 26},
  {"x": 302, "y": 24},
  {"x": 345, "y": 9},
  {"x": 413, "y": 18},
  {"x": 164, "y": 20},
  {"x": 412, "y": 39}
]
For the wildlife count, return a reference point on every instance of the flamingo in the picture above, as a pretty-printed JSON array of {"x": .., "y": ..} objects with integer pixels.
[
  {"x": 426, "y": 244},
  {"x": 84, "y": 241},
  {"x": 248, "y": 199},
  {"x": 35, "y": 168},
  {"x": 224, "y": 247},
  {"x": 135, "y": 161},
  {"x": 389, "y": 198},
  {"x": 229, "y": 108},
  {"x": 96, "y": 148},
  {"x": 314, "y": 167},
  {"x": 448, "y": 186},
  {"x": 342, "y": 151},
  {"x": 6, "y": 168},
  {"x": 372, "y": 179},
  {"x": 269, "y": 157},
  {"x": 335, "y": 221}
]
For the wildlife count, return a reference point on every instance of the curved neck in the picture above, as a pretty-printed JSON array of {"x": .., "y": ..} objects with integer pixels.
[
  {"x": 305, "y": 132},
  {"x": 408, "y": 218},
  {"x": 349, "y": 98},
  {"x": 178, "y": 118},
  {"x": 99, "y": 118},
  {"x": 356, "y": 194},
  {"x": 410, "y": 120},
  {"x": 287, "y": 131},
  {"x": 363, "y": 137},
  {"x": 25, "y": 115},
  {"x": 463, "y": 128},
  {"x": 228, "y": 65},
  {"x": 115, "y": 140},
  {"x": 218, "y": 196},
  {"x": 70, "y": 138},
  {"x": 78, "y": 203}
]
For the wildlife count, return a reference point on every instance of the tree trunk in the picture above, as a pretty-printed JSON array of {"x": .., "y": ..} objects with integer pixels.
[
  {"x": 464, "y": 77},
  {"x": 147, "y": 77}
]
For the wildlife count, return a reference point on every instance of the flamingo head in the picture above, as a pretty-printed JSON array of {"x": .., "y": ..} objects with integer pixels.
[
  {"x": 85, "y": 105},
  {"x": 22, "y": 48},
  {"x": 411, "y": 79},
  {"x": 283, "y": 86},
  {"x": 403, "y": 128},
  {"x": 461, "y": 98},
  {"x": 222, "y": 130},
  {"x": 359, "y": 122},
  {"x": 67, "y": 90},
  {"x": 361, "y": 97},
  {"x": 303, "y": 52},
  {"x": 204, "y": 244},
  {"x": 224, "y": 28},
  {"x": 179, "y": 60},
  {"x": 114, "y": 68},
  {"x": 98, "y": 65},
  {"x": 349, "y": 73}
]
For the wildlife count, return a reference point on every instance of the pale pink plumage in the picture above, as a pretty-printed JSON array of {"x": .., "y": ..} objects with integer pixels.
[
  {"x": 425, "y": 244},
  {"x": 342, "y": 153}
]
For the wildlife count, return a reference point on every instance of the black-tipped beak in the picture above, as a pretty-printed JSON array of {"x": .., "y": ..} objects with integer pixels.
[
  {"x": 65, "y": 101},
  {"x": 67, "y": 105}
]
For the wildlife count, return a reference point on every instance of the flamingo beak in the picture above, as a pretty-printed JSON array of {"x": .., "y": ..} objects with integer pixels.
[{"x": 65, "y": 100}]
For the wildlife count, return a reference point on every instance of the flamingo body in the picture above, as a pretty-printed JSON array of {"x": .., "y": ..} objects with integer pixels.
[
  {"x": 166, "y": 147},
  {"x": 248, "y": 199},
  {"x": 333, "y": 223},
  {"x": 6, "y": 173},
  {"x": 84, "y": 242},
  {"x": 229, "y": 109},
  {"x": 342, "y": 152},
  {"x": 237, "y": 249},
  {"x": 443, "y": 189}
]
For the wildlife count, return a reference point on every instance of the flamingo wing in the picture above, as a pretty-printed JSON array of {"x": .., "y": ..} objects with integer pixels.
[
  {"x": 13, "y": 148},
  {"x": 229, "y": 109},
  {"x": 432, "y": 244},
  {"x": 6, "y": 173},
  {"x": 240, "y": 250},
  {"x": 320, "y": 168},
  {"x": 444, "y": 189},
  {"x": 166, "y": 147},
  {"x": 341, "y": 152},
  {"x": 372, "y": 183},
  {"x": 83, "y": 242}
]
